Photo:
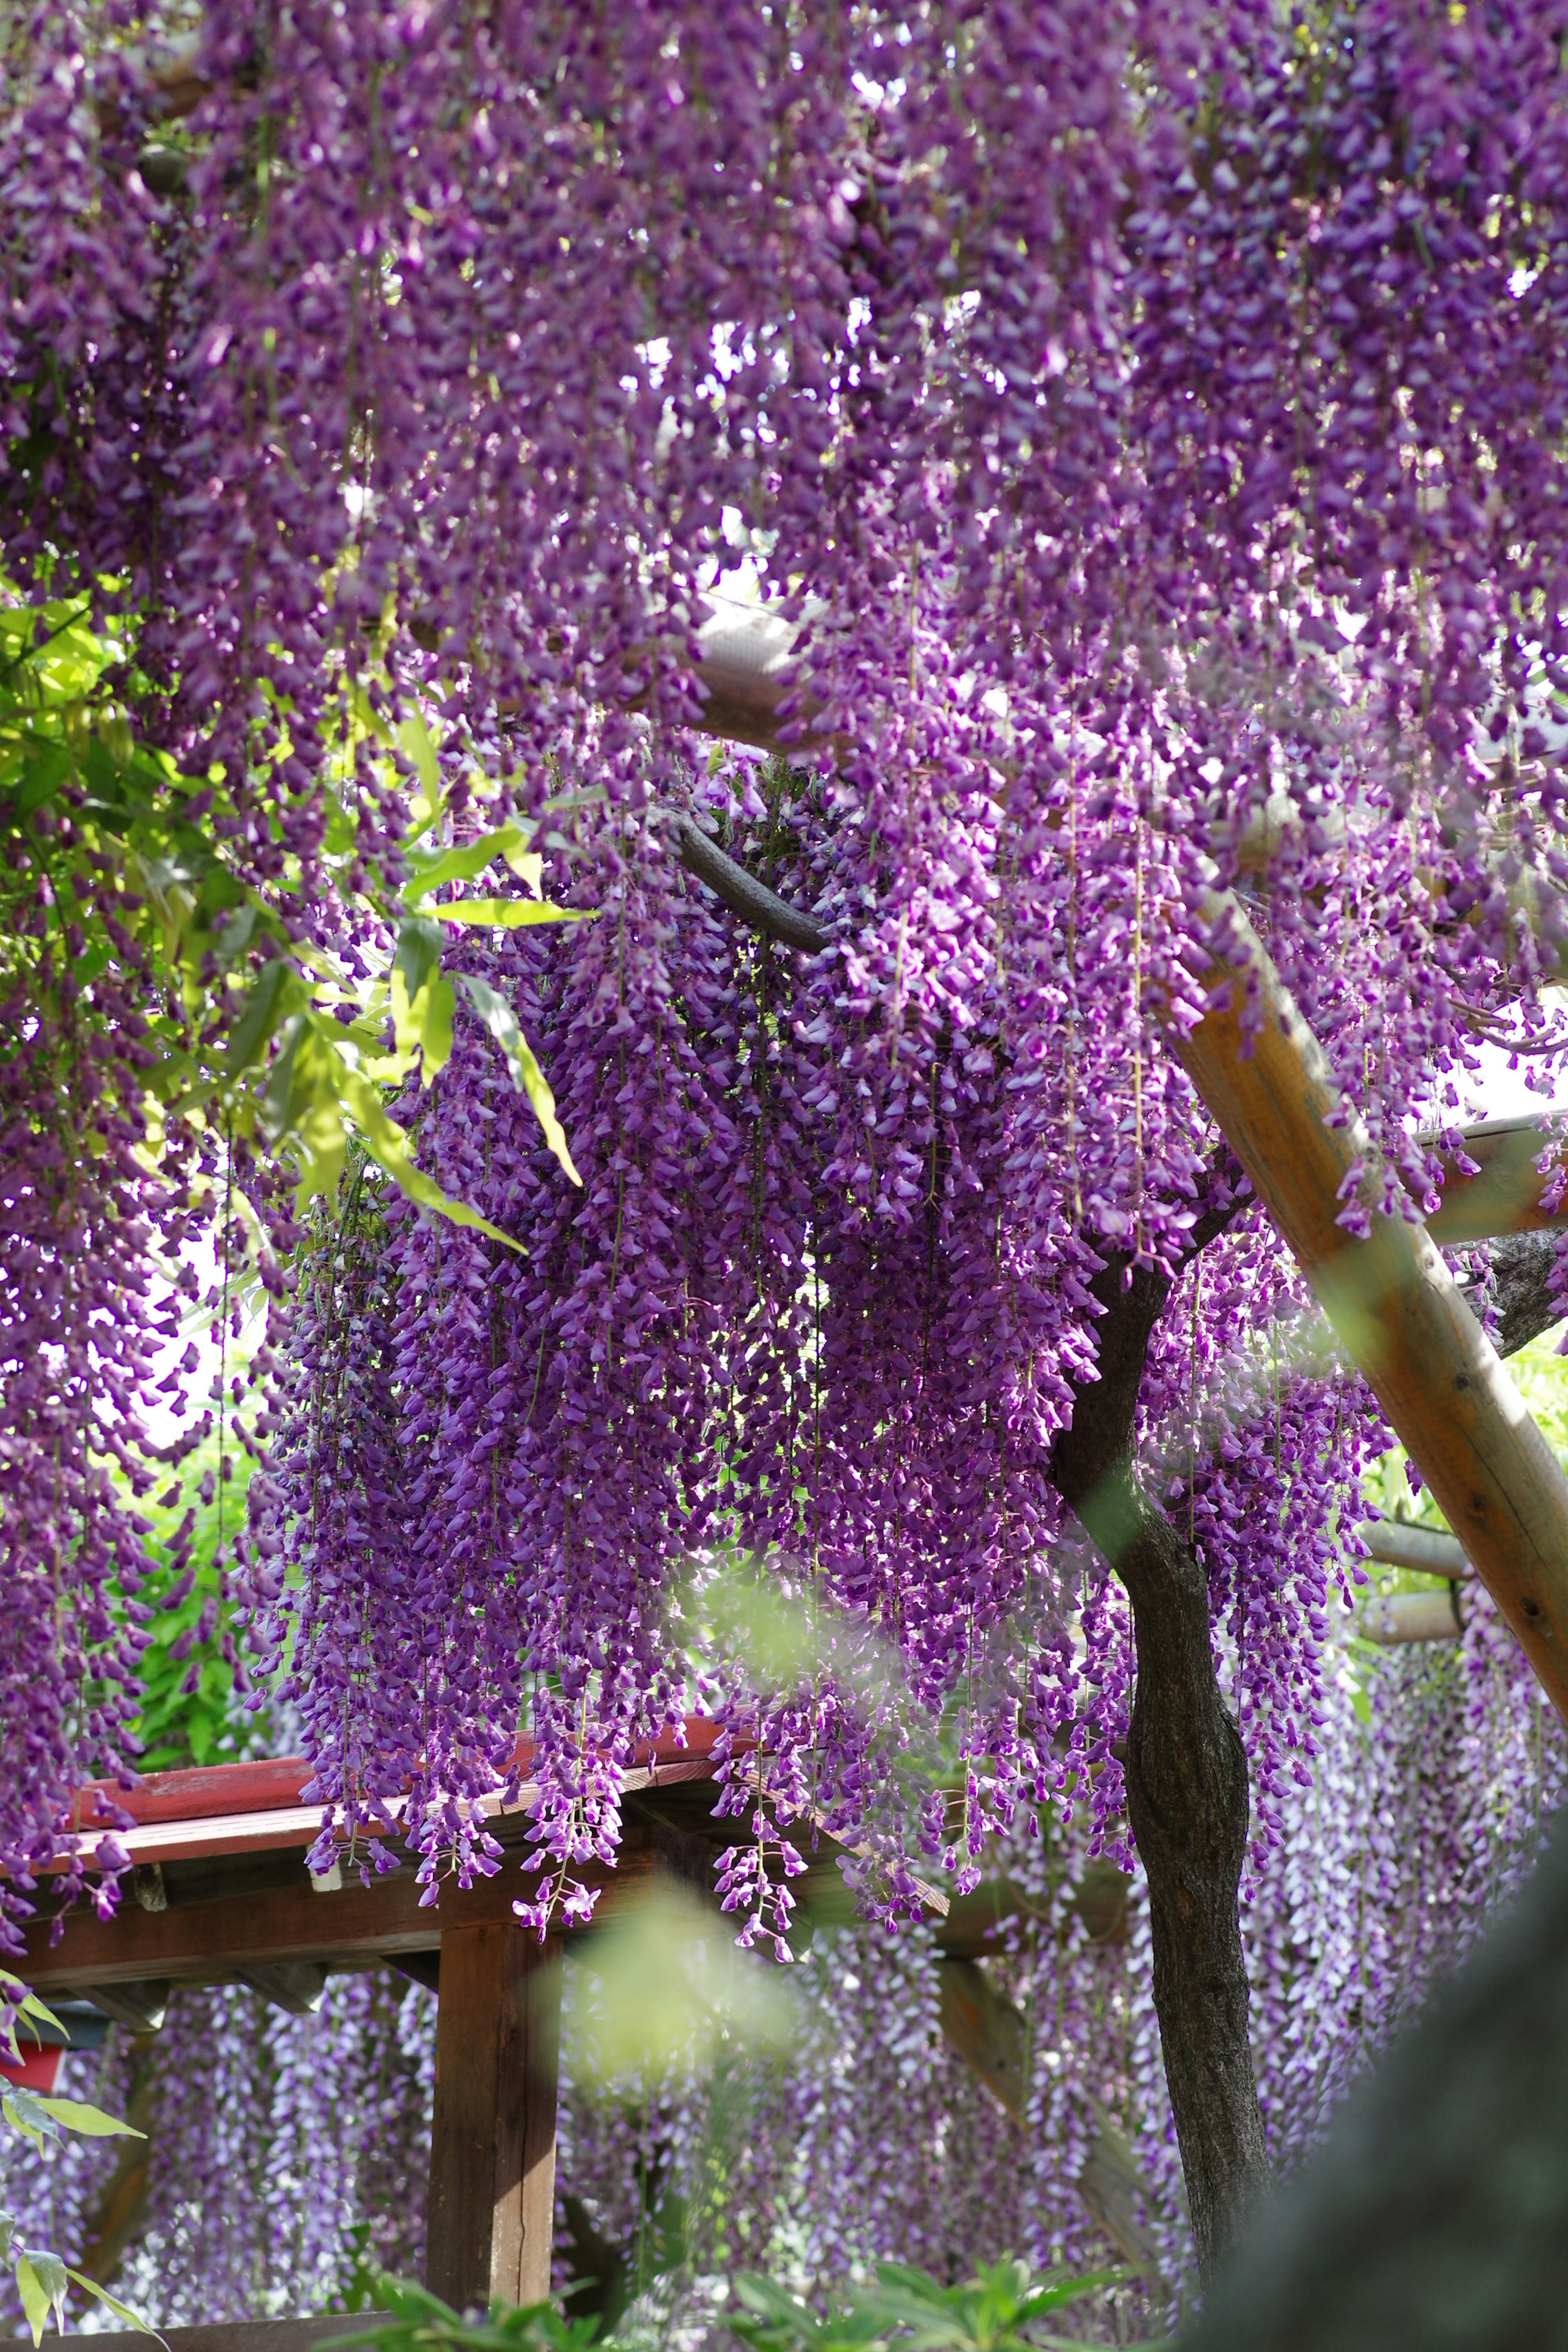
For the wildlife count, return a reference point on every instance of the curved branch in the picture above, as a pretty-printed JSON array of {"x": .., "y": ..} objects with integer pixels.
[{"x": 743, "y": 893}]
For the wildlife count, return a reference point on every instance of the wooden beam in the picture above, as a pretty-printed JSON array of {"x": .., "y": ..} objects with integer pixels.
[
  {"x": 1505, "y": 1197},
  {"x": 745, "y": 671},
  {"x": 1428, "y": 1550},
  {"x": 277, "y": 1925},
  {"x": 493, "y": 2139},
  {"x": 231, "y": 2335},
  {"x": 987, "y": 2032},
  {"x": 1111, "y": 2186},
  {"x": 1394, "y": 1303},
  {"x": 1400, "y": 1617}
]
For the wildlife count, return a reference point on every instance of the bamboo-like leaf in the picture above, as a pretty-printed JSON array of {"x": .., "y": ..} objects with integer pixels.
[
  {"x": 41, "y": 2283},
  {"x": 508, "y": 841},
  {"x": 526, "y": 1074},
  {"x": 121, "y": 2310},
  {"x": 510, "y": 914},
  {"x": 18, "y": 1996},
  {"x": 389, "y": 1147},
  {"x": 414, "y": 741},
  {"x": 436, "y": 1006},
  {"x": 418, "y": 952},
  {"x": 275, "y": 987},
  {"x": 92, "y": 2122}
]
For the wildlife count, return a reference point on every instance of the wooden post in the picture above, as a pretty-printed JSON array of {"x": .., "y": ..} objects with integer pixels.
[
  {"x": 492, "y": 2140},
  {"x": 1394, "y": 1303}
]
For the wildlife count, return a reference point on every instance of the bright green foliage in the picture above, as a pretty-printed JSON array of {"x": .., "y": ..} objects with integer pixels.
[
  {"x": 179, "y": 1725},
  {"x": 411, "y": 2320},
  {"x": 43, "y": 2280},
  {"x": 906, "y": 2311},
  {"x": 256, "y": 1029},
  {"x": 910, "y": 2311}
]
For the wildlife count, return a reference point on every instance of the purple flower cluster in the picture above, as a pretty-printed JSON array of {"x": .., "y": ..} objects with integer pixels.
[{"x": 1153, "y": 420}]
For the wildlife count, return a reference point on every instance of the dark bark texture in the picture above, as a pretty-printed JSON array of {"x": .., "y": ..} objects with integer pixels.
[
  {"x": 1186, "y": 1770},
  {"x": 1517, "y": 1289},
  {"x": 1186, "y": 1777}
]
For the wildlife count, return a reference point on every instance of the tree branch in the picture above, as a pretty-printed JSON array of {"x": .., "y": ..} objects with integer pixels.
[{"x": 754, "y": 903}]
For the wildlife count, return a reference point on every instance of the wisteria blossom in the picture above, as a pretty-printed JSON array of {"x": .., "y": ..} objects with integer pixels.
[{"x": 1151, "y": 423}]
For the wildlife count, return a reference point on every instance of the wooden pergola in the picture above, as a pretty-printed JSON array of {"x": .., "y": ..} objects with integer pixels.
[{"x": 219, "y": 1893}]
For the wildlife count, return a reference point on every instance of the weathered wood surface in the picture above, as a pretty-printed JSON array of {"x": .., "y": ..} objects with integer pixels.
[
  {"x": 1112, "y": 2188},
  {"x": 222, "y": 2336},
  {"x": 198, "y": 1941},
  {"x": 492, "y": 2137},
  {"x": 1505, "y": 1197},
  {"x": 1395, "y": 1306},
  {"x": 987, "y": 2032},
  {"x": 1400, "y": 1617},
  {"x": 1428, "y": 1550}
]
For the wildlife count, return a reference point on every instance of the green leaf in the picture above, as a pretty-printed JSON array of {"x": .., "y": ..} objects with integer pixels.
[
  {"x": 92, "y": 2122},
  {"x": 509, "y": 841},
  {"x": 121, "y": 2310},
  {"x": 526, "y": 1074},
  {"x": 16, "y": 2106},
  {"x": 275, "y": 988},
  {"x": 418, "y": 952},
  {"x": 25, "y": 2003},
  {"x": 41, "y": 2283},
  {"x": 422, "y": 999},
  {"x": 510, "y": 914},
  {"x": 439, "y": 1003},
  {"x": 46, "y": 767},
  {"x": 414, "y": 742},
  {"x": 389, "y": 1147}
]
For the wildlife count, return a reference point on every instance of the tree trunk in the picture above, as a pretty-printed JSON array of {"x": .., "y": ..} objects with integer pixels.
[{"x": 1186, "y": 1778}]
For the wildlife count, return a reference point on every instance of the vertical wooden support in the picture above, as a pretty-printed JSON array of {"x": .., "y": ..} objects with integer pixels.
[{"x": 492, "y": 2141}]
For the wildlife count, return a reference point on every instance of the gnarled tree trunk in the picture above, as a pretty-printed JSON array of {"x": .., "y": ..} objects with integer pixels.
[{"x": 1186, "y": 1777}]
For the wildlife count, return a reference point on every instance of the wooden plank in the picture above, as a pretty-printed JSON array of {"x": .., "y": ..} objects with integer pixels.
[
  {"x": 1505, "y": 1198},
  {"x": 1111, "y": 2186},
  {"x": 198, "y": 1941},
  {"x": 1395, "y": 1305},
  {"x": 225, "y": 2336},
  {"x": 226, "y": 1822},
  {"x": 1428, "y": 1550},
  {"x": 986, "y": 2030},
  {"x": 492, "y": 2137},
  {"x": 211, "y": 1791}
]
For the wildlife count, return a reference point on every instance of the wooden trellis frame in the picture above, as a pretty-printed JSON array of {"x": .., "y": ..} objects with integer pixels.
[{"x": 219, "y": 1893}]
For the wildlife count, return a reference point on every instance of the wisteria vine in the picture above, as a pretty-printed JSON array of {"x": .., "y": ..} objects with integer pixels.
[{"x": 1153, "y": 421}]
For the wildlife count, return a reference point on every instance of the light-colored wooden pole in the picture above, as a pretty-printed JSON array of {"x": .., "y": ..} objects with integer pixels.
[
  {"x": 1428, "y": 1550},
  {"x": 1392, "y": 1302}
]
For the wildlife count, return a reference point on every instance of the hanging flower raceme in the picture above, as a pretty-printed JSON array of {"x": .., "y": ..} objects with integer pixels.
[{"x": 1151, "y": 422}]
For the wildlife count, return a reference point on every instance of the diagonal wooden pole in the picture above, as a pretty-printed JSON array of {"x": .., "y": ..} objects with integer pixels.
[{"x": 1396, "y": 1308}]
